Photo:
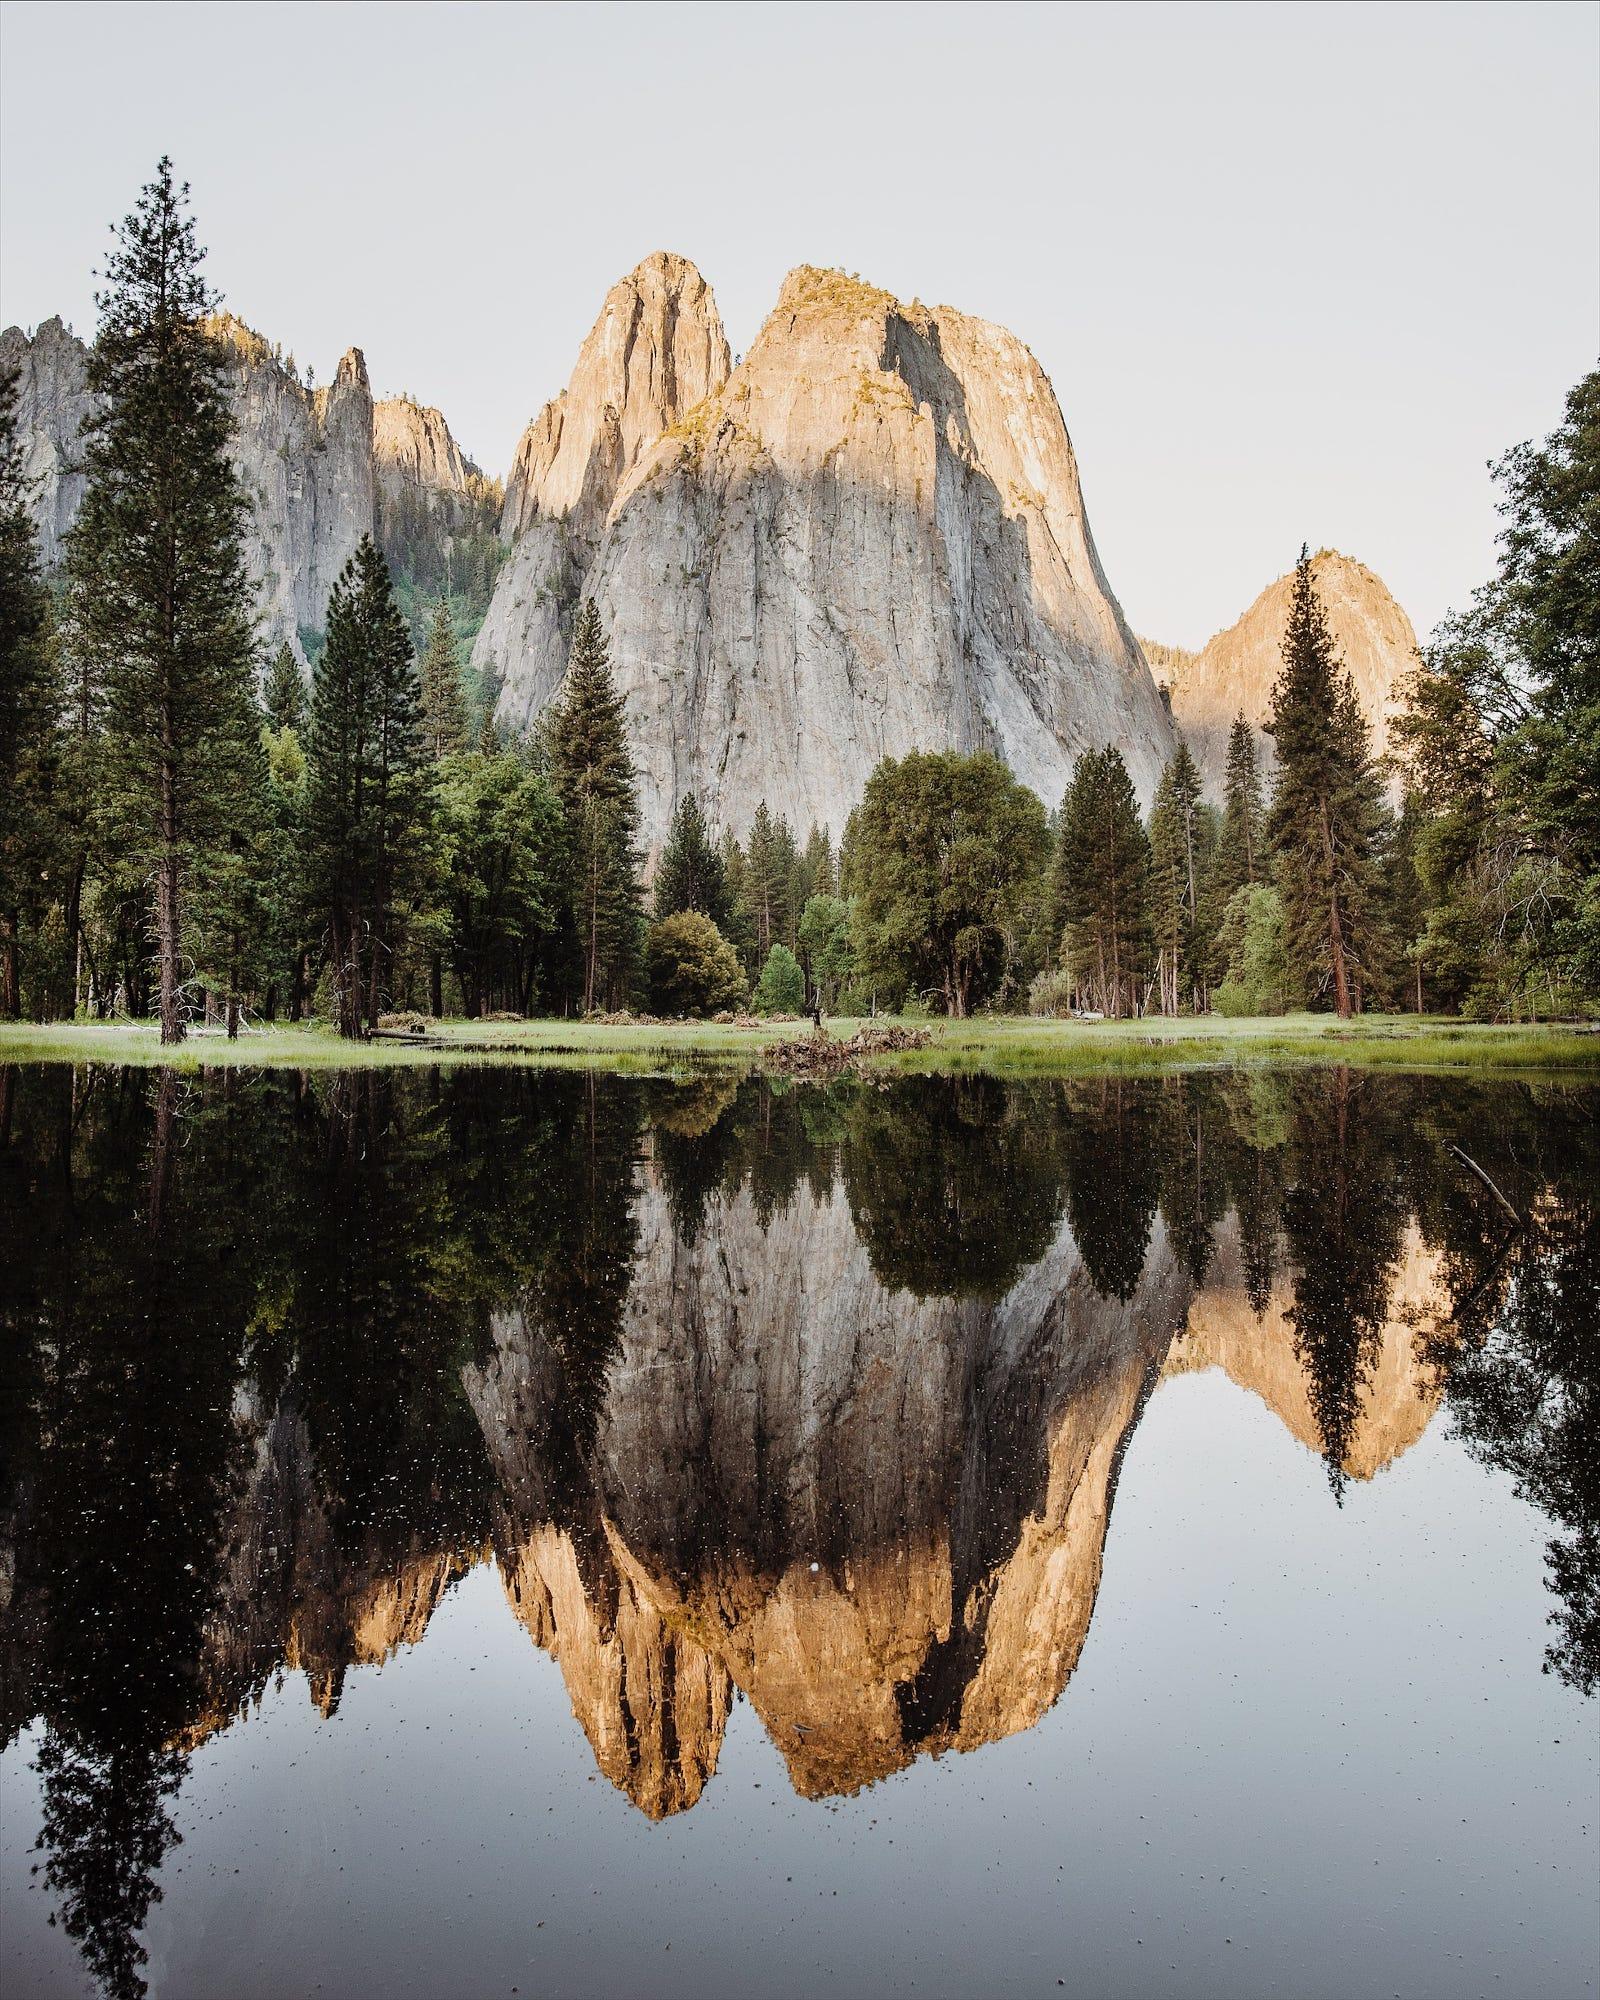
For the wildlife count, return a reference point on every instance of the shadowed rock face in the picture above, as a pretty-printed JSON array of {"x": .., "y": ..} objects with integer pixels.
[
  {"x": 52, "y": 401},
  {"x": 870, "y": 539},
  {"x": 322, "y": 467},
  {"x": 1234, "y": 674}
]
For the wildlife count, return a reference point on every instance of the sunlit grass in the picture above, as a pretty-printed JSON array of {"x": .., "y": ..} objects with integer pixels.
[{"x": 1010, "y": 1046}]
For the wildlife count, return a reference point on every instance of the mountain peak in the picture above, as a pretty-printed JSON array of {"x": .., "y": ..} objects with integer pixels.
[{"x": 1233, "y": 673}]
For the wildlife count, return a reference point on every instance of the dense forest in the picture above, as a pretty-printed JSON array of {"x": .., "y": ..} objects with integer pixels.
[{"x": 186, "y": 831}]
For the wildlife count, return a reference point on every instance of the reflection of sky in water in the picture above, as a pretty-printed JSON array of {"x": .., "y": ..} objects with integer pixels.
[
  {"x": 1306, "y": 1748},
  {"x": 1321, "y": 1735}
]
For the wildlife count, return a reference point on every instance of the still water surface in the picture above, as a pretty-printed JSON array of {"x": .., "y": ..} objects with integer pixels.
[{"x": 480, "y": 1533}]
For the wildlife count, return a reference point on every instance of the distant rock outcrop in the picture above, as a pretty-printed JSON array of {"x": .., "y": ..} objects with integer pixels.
[
  {"x": 322, "y": 467},
  {"x": 1234, "y": 673},
  {"x": 52, "y": 401},
  {"x": 869, "y": 539}
]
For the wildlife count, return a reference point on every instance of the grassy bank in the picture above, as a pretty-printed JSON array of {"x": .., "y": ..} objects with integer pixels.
[{"x": 1010, "y": 1047}]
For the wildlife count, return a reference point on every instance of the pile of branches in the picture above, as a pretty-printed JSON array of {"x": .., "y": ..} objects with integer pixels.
[{"x": 823, "y": 1056}]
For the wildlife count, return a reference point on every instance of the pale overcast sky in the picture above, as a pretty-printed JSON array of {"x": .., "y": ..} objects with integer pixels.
[{"x": 1296, "y": 272}]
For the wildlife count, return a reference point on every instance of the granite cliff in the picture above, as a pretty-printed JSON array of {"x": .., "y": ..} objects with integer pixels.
[
  {"x": 869, "y": 538},
  {"x": 322, "y": 467}
]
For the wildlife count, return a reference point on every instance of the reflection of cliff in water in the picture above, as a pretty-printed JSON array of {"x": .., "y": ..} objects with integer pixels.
[
  {"x": 879, "y": 1516},
  {"x": 819, "y": 1396}
]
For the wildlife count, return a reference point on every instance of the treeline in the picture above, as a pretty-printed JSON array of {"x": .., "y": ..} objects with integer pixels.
[{"x": 183, "y": 831}]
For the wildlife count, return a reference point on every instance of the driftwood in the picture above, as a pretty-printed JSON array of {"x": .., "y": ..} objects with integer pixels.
[{"x": 1471, "y": 1164}]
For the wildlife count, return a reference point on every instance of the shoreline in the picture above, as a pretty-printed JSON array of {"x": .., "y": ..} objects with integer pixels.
[{"x": 1000, "y": 1046}]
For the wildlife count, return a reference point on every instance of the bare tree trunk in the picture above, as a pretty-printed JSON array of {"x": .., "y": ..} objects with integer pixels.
[
  {"x": 162, "y": 1148},
  {"x": 1341, "y": 983},
  {"x": 10, "y": 983},
  {"x": 172, "y": 1022}
]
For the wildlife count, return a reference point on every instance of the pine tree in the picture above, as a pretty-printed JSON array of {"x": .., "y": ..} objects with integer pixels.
[
  {"x": 160, "y": 602},
  {"x": 28, "y": 701},
  {"x": 593, "y": 773},
  {"x": 817, "y": 874},
  {"x": 1241, "y": 850},
  {"x": 284, "y": 696},
  {"x": 1327, "y": 819},
  {"x": 444, "y": 702},
  {"x": 690, "y": 874},
  {"x": 366, "y": 791},
  {"x": 770, "y": 859},
  {"x": 739, "y": 930},
  {"x": 1102, "y": 881},
  {"x": 1178, "y": 877}
]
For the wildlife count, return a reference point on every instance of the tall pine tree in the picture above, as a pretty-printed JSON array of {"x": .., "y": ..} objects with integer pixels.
[
  {"x": 444, "y": 701},
  {"x": 284, "y": 697},
  {"x": 366, "y": 791},
  {"x": 1101, "y": 884},
  {"x": 1178, "y": 880},
  {"x": 690, "y": 874},
  {"x": 592, "y": 770},
  {"x": 28, "y": 700},
  {"x": 1328, "y": 817},
  {"x": 1241, "y": 850},
  {"x": 160, "y": 602},
  {"x": 770, "y": 860}
]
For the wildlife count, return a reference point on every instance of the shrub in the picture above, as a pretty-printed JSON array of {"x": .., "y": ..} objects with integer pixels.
[
  {"x": 1051, "y": 993},
  {"x": 1251, "y": 943},
  {"x": 690, "y": 966},
  {"x": 782, "y": 987}
]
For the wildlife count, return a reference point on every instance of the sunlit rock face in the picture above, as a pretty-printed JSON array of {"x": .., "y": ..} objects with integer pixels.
[
  {"x": 1399, "y": 1392},
  {"x": 321, "y": 467},
  {"x": 1234, "y": 674},
  {"x": 878, "y": 1515},
  {"x": 870, "y": 539}
]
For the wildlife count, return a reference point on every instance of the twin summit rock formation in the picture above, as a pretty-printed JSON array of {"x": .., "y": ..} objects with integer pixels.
[{"x": 868, "y": 537}]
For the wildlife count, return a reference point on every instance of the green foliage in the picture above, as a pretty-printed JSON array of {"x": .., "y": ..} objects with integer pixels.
[
  {"x": 1501, "y": 736},
  {"x": 443, "y": 545},
  {"x": 592, "y": 770},
  {"x": 444, "y": 705},
  {"x": 781, "y": 988},
  {"x": 368, "y": 791},
  {"x": 942, "y": 850},
  {"x": 1255, "y": 961},
  {"x": 1328, "y": 822},
  {"x": 1181, "y": 835},
  {"x": 1242, "y": 839},
  {"x": 283, "y": 698},
  {"x": 29, "y": 695},
  {"x": 502, "y": 850},
  {"x": 690, "y": 967},
  {"x": 691, "y": 874},
  {"x": 770, "y": 864},
  {"x": 160, "y": 618},
  {"x": 827, "y": 948},
  {"x": 1101, "y": 886}
]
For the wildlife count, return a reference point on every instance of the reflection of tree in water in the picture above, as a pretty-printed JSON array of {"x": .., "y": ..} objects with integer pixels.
[
  {"x": 1518, "y": 1337},
  {"x": 578, "y": 1288},
  {"x": 138, "y": 1344},
  {"x": 1343, "y": 1215},
  {"x": 1109, "y": 1153},
  {"x": 349, "y": 1241},
  {"x": 954, "y": 1183}
]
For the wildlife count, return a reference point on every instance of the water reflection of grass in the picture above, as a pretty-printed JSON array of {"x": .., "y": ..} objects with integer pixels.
[{"x": 1010, "y": 1047}]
